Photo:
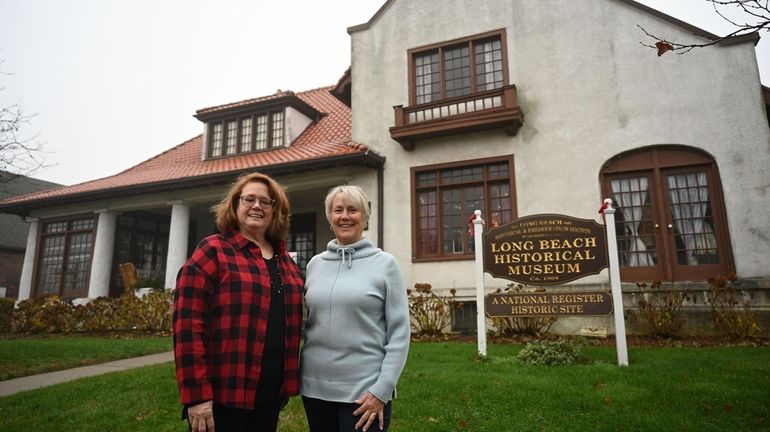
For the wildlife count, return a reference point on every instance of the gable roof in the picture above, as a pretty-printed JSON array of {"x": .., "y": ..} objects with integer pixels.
[
  {"x": 325, "y": 143},
  {"x": 13, "y": 185},
  {"x": 13, "y": 230}
]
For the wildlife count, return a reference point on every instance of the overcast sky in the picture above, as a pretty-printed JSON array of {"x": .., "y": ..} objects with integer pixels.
[{"x": 113, "y": 83}]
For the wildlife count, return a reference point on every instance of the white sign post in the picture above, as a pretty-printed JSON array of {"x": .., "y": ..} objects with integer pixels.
[
  {"x": 617, "y": 296},
  {"x": 481, "y": 318}
]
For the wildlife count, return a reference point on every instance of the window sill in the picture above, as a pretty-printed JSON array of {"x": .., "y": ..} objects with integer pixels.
[
  {"x": 445, "y": 258},
  {"x": 481, "y": 111}
]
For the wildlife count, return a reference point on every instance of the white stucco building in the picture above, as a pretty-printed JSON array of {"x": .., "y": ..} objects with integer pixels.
[{"x": 515, "y": 107}]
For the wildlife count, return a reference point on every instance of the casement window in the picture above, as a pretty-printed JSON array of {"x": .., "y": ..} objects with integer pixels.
[
  {"x": 141, "y": 239},
  {"x": 246, "y": 134},
  {"x": 455, "y": 87},
  {"x": 302, "y": 238},
  {"x": 670, "y": 216},
  {"x": 446, "y": 196},
  {"x": 64, "y": 258},
  {"x": 458, "y": 68}
]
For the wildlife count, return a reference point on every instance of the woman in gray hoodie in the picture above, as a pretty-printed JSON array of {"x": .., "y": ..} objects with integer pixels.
[{"x": 357, "y": 329}]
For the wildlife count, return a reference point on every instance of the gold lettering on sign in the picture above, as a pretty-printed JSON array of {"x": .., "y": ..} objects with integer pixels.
[
  {"x": 537, "y": 269},
  {"x": 545, "y": 249}
]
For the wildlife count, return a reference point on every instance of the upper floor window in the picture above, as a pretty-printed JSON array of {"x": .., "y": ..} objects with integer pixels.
[
  {"x": 445, "y": 197},
  {"x": 458, "y": 68},
  {"x": 246, "y": 134},
  {"x": 458, "y": 87}
]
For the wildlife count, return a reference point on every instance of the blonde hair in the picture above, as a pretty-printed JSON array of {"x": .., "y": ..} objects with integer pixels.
[
  {"x": 226, "y": 210},
  {"x": 351, "y": 194}
]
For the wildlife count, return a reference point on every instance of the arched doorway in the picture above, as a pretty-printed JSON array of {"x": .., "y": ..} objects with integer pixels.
[{"x": 671, "y": 221}]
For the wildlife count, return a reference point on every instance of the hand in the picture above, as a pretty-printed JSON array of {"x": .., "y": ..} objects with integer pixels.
[
  {"x": 371, "y": 408},
  {"x": 201, "y": 417}
]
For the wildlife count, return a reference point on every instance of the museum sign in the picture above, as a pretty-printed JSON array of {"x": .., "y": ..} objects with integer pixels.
[{"x": 545, "y": 249}]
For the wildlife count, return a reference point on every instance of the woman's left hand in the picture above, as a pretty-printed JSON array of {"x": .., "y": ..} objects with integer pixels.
[{"x": 371, "y": 408}]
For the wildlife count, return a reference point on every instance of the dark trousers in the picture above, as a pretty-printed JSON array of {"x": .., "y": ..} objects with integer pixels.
[
  {"x": 264, "y": 417},
  {"x": 325, "y": 416}
]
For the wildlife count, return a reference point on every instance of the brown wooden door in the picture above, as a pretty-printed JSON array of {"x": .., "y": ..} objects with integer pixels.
[
  {"x": 693, "y": 241},
  {"x": 637, "y": 226},
  {"x": 670, "y": 222}
]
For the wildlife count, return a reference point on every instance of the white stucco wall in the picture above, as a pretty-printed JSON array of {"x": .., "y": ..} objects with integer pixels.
[
  {"x": 589, "y": 91},
  {"x": 296, "y": 123}
]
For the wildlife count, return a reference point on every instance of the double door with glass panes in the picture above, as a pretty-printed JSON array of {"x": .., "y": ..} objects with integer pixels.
[{"x": 669, "y": 224}]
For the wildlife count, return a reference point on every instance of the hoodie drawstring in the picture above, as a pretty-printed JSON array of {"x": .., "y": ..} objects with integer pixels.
[{"x": 349, "y": 252}]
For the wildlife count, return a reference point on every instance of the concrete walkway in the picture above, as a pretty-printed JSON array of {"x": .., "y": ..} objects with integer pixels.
[{"x": 32, "y": 382}]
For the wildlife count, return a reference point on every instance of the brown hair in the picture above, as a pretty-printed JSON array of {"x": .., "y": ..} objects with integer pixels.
[{"x": 225, "y": 212}]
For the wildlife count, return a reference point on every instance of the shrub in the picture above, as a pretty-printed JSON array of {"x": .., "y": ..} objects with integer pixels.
[
  {"x": 732, "y": 311},
  {"x": 152, "y": 314},
  {"x": 430, "y": 312},
  {"x": 6, "y": 309},
  {"x": 49, "y": 314},
  {"x": 510, "y": 326},
  {"x": 155, "y": 311},
  {"x": 551, "y": 353},
  {"x": 658, "y": 311}
]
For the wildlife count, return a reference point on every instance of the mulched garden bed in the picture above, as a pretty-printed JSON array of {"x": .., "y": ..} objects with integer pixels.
[{"x": 631, "y": 340}]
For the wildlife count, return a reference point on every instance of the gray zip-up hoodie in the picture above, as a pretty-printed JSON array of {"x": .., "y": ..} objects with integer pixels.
[{"x": 357, "y": 329}]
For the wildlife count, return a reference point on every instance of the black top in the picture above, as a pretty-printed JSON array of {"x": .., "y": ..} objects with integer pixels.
[{"x": 271, "y": 378}]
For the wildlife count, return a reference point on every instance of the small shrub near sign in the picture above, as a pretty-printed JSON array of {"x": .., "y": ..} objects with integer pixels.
[
  {"x": 430, "y": 312},
  {"x": 732, "y": 311},
  {"x": 658, "y": 311},
  {"x": 551, "y": 353}
]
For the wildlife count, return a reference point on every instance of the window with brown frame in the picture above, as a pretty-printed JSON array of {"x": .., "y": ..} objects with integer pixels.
[
  {"x": 445, "y": 197},
  {"x": 245, "y": 134},
  {"x": 458, "y": 68},
  {"x": 455, "y": 87},
  {"x": 64, "y": 259},
  {"x": 302, "y": 238}
]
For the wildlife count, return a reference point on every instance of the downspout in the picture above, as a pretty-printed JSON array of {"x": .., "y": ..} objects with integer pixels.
[{"x": 380, "y": 209}]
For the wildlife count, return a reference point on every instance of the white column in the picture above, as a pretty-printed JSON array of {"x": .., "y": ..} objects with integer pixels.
[
  {"x": 481, "y": 315},
  {"x": 617, "y": 295},
  {"x": 25, "y": 284},
  {"x": 101, "y": 260},
  {"x": 177, "y": 240}
]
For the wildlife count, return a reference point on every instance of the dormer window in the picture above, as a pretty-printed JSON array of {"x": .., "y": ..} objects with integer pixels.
[
  {"x": 255, "y": 125},
  {"x": 246, "y": 134}
]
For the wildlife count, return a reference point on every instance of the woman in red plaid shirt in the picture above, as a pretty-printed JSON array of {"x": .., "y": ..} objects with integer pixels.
[{"x": 238, "y": 314}]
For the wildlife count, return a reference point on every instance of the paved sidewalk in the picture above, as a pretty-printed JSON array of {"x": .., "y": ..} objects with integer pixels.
[{"x": 32, "y": 382}]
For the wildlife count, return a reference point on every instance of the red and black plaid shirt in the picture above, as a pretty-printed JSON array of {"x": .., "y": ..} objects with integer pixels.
[{"x": 221, "y": 307}]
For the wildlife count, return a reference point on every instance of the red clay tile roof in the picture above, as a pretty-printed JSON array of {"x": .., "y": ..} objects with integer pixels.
[
  {"x": 326, "y": 139},
  {"x": 277, "y": 95}
]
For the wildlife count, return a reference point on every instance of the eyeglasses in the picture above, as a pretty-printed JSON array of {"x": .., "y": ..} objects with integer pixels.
[{"x": 250, "y": 200}]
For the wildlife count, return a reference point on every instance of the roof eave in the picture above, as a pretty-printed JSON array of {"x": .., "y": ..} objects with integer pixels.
[{"x": 366, "y": 159}]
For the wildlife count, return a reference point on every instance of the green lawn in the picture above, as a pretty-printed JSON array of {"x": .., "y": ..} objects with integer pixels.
[
  {"x": 29, "y": 356},
  {"x": 445, "y": 388}
]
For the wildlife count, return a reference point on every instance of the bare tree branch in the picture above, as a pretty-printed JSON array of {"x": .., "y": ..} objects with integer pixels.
[
  {"x": 19, "y": 155},
  {"x": 755, "y": 12}
]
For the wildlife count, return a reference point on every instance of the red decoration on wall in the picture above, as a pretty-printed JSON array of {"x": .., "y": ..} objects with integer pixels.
[
  {"x": 470, "y": 223},
  {"x": 663, "y": 47}
]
